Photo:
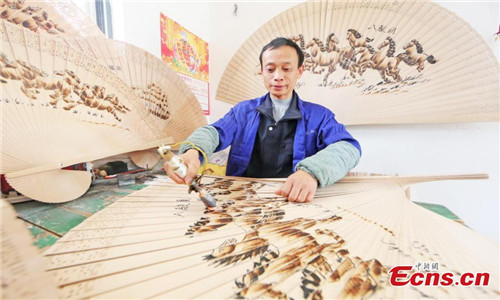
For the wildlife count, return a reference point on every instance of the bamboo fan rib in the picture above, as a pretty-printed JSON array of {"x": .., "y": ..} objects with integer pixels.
[
  {"x": 48, "y": 17},
  {"x": 378, "y": 62},
  {"x": 160, "y": 243},
  {"x": 23, "y": 270}
]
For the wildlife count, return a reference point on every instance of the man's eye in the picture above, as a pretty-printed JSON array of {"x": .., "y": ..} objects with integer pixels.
[{"x": 269, "y": 70}]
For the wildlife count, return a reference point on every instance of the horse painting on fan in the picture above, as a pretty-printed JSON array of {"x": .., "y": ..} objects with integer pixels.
[
  {"x": 303, "y": 251},
  {"x": 359, "y": 55},
  {"x": 65, "y": 86},
  {"x": 366, "y": 55},
  {"x": 319, "y": 57},
  {"x": 156, "y": 100},
  {"x": 355, "y": 39},
  {"x": 384, "y": 61},
  {"x": 290, "y": 250},
  {"x": 332, "y": 42},
  {"x": 33, "y": 18},
  {"x": 414, "y": 55}
]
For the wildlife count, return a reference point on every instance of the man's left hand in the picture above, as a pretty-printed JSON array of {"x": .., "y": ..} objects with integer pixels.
[{"x": 299, "y": 187}]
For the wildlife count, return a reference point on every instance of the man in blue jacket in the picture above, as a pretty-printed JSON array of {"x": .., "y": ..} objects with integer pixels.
[{"x": 278, "y": 134}]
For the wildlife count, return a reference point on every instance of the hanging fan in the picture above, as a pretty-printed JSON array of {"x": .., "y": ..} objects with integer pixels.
[
  {"x": 21, "y": 262},
  {"x": 48, "y": 16},
  {"x": 60, "y": 107},
  {"x": 160, "y": 243},
  {"x": 162, "y": 91},
  {"x": 378, "y": 62}
]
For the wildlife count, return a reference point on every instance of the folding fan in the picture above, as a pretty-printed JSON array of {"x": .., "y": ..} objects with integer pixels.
[
  {"x": 49, "y": 16},
  {"x": 164, "y": 105},
  {"x": 61, "y": 107},
  {"x": 160, "y": 242},
  {"x": 378, "y": 62}
]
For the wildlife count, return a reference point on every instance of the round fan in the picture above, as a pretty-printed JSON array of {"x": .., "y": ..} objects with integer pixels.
[
  {"x": 60, "y": 107},
  {"x": 378, "y": 62},
  {"x": 70, "y": 185},
  {"x": 146, "y": 159}
]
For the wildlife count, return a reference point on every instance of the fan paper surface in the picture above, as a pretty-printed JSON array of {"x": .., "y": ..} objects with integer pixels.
[
  {"x": 160, "y": 242},
  {"x": 378, "y": 62},
  {"x": 73, "y": 97}
]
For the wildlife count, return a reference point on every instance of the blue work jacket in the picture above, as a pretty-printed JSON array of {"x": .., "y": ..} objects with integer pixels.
[{"x": 316, "y": 129}]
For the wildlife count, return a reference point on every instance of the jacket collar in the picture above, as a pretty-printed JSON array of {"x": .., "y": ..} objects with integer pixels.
[{"x": 293, "y": 112}]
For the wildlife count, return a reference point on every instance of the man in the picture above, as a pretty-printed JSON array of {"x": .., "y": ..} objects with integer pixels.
[{"x": 278, "y": 134}]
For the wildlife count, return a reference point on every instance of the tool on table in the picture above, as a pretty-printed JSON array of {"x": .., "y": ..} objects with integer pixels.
[{"x": 180, "y": 168}]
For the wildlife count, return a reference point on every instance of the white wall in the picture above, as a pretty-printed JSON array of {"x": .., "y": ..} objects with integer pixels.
[
  {"x": 141, "y": 21},
  {"x": 392, "y": 149}
]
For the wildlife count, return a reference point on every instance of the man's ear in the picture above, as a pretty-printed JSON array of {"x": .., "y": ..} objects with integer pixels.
[{"x": 301, "y": 70}]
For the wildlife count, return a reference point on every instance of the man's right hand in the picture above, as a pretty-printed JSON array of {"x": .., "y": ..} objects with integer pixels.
[{"x": 192, "y": 160}]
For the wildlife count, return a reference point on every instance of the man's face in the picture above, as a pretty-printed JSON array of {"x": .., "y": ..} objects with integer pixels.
[{"x": 280, "y": 71}]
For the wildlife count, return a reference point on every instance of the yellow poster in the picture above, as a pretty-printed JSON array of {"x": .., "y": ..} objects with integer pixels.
[{"x": 185, "y": 52}]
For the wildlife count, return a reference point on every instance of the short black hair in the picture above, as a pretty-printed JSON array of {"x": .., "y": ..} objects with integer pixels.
[{"x": 279, "y": 42}]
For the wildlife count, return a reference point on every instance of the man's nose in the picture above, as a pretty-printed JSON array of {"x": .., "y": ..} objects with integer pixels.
[{"x": 278, "y": 75}]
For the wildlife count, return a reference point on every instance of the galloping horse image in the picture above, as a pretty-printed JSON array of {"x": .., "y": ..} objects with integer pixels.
[
  {"x": 366, "y": 55},
  {"x": 414, "y": 54},
  {"x": 64, "y": 86},
  {"x": 303, "y": 251},
  {"x": 384, "y": 61},
  {"x": 332, "y": 43},
  {"x": 358, "y": 55},
  {"x": 322, "y": 58},
  {"x": 355, "y": 40},
  {"x": 348, "y": 54}
]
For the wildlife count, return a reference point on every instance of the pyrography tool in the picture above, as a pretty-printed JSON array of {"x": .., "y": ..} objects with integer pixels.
[{"x": 180, "y": 168}]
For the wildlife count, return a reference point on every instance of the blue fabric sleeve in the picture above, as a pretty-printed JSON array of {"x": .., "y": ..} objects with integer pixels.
[{"x": 226, "y": 127}]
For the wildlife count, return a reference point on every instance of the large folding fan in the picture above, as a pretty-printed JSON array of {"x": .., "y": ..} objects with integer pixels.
[
  {"x": 60, "y": 107},
  {"x": 378, "y": 62},
  {"x": 160, "y": 242}
]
